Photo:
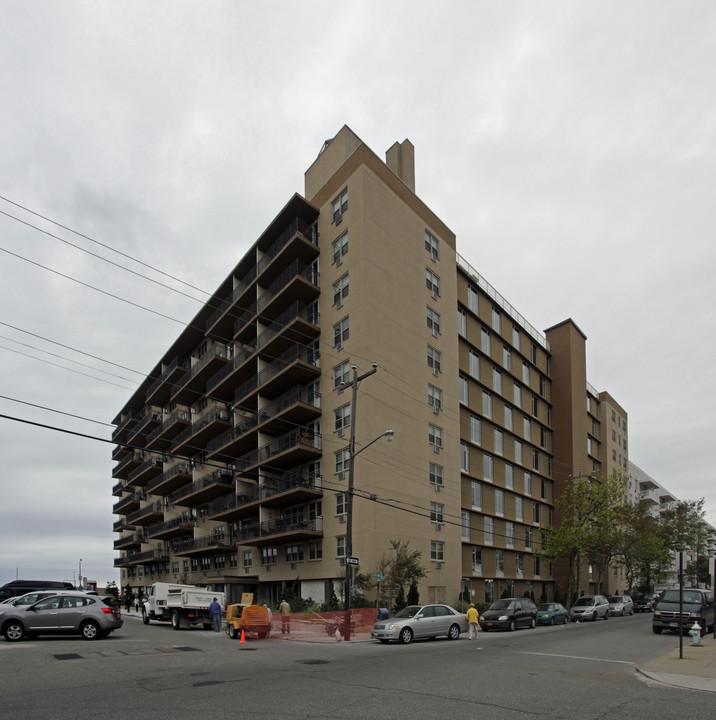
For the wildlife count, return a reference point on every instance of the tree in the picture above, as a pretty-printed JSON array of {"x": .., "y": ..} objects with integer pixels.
[
  {"x": 413, "y": 594},
  {"x": 401, "y": 567},
  {"x": 112, "y": 589},
  {"x": 588, "y": 529}
]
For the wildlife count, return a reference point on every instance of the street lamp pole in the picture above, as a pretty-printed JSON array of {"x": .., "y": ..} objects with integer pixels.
[
  {"x": 388, "y": 434},
  {"x": 79, "y": 577}
]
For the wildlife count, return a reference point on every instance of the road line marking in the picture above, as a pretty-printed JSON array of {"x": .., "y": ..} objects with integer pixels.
[{"x": 576, "y": 657}]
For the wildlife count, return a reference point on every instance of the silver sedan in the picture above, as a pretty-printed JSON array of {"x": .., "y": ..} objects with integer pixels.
[{"x": 420, "y": 621}]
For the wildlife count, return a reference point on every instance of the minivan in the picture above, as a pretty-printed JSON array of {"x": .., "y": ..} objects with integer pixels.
[
  {"x": 697, "y": 605},
  {"x": 508, "y": 614},
  {"x": 20, "y": 587}
]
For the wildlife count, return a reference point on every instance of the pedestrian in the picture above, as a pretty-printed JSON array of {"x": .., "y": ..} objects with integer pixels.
[
  {"x": 215, "y": 612},
  {"x": 472, "y": 618},
  {"x": 285, "y": 609},
  {"x": 128, "y": 603},
  {"x": 136, "y": 604},
  {"x": 270, "y": 617}
]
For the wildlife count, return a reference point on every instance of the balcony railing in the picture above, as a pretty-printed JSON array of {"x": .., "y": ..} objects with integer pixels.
[
  {"x": 297, "y": 227},
  {"x": 241, "y": 287},
  {"x": 300, "y": 437},
  {"x": 137, "y": 516},
  {"x": 176, "y": 525},
  {"x": 221, "y": 477},
  {"x": 209, "y": 542},
  {"x": 278, "y": 526}
]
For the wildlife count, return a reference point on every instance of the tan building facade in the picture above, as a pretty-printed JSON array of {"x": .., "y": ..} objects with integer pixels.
[{"x": 233, "y": 456}]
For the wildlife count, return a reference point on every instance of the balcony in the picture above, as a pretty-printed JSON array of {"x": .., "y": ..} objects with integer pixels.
[
  {"x": 221, "y": 320},
  {"x": 174, "y": 423},
  {"x": 150, "y": 418},
  {"x": 119, "y": 434},
  {"x": 298, "y": 365},
  {"x": 208, "y": 545},
  {"x": 649, "y": 496},
  {"x": 146, "y": 471},
  {"x": 203, "y": 428},
  {"x": 298, "y": 241},
  {"x": 161, "y": 389},
  {"x": 127, "y": 504},
  {"x": 193, "y": 383},
  {"x": 207, "y": 488},
  {"x": 157, "y": 555},
  {"x": 298, "y": 406},
  {"x": 297, "y": 283},
  {"x": 119, "y": 488},
  {"x": 147, "y": 515},
  {"x": 295, "y": 448},
  {"x": 122, "y": 469},
  {"x": 280, "y": 530},
  {"x": 121, "y": 524},
  {"x": 172, "y": 528},
  {"x": 289, "y": 489},
  {"x": 173, "y": 478},
  {"x": 134, "y": 540},
  {"x": 298, "y": 323},
  {"x": 222, "y": 384}
]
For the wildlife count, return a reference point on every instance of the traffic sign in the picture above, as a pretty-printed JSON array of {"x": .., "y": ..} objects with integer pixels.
[
  {"x": 351, "y": 561},
  {"x": 379, "y": 577}
]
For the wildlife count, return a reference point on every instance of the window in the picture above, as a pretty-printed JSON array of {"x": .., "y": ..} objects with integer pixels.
[
  {"x": 543, "y": 438},
  {"x": 435, "y": 435},
  {"x": 431, "y": 245},
  {"x": 517, "y": 395},
  {"x": 525, "y": 373},
  {"x": 437, "y": 551},
  {"x": 340, "y": 290},
  {"x": 462, "y": 322},
  {"x": 474, "y": 364},
  {"x": 340, "y": 248},
  {"x": 528, "y": 484},
  {"x": 535, "y": 515},
  {"x": 341, "y": 373},
  {"x": 519, "y": 564},
  {"x": 535, "y": 459},
  {"x": 542, "y": 386},
  {"x": 500, "y": 562},
  {"x": 342, "y": 460},
  {"x": 472, "y": 297},
  {"x": 464, "y": 457},
  {"x": 508, "y": 417},
  {"x": 340, "y": 333},
  {"x": 315, "y": 550},
  {"x": 538, "y": 567},
  {"x": 294, "y": 553},
  {"x": 489, "y": 530},
  {"x": 269, "y": 556},
  {"x": 476, "y": 560},
  {"x": 433, "y": 321},
  {"x": 487, "y": 467},
  {"x": 465, "y": 525},
  {"x": 476, "y": 495},
  {"x": 435, "y": 474},
  {"x": 432, "y": 282},
  {"x": 516, "y": 337},
  {"x": 496, "y": 380},
  {"x": 435, "y": 398},
  {"x": 507, "y": 358},
  {"x": 340, "y": 546},
  {"x": 475, "y": 430},
  {"x": 463, "y": 390},
  {"x": 340, "y": 205},
  {"x": 496, "y": 320},
  {"x": 528, "y": 538},
  {"x": 518, "y": 452},
  {"x": 526, "y": 429},
  {"x": 509, "y": 476},
  {"x": 486, "y": 343},
  {"x": 498, "y": 442},
  {"x": 543, "y": 494},
  {"x": 342, "y": 418},
  {"x": 499, "y": 502},
  {"x": 486, "y": 404},
  {"x": 509, "y": 534},
  {"x": 434, "y": 358},
  {"x": 315, "y": 509},
  {"x": 437, "y": 512},
  {"x": 519, "y": 515},
  {"x": 341, "y": 503}
]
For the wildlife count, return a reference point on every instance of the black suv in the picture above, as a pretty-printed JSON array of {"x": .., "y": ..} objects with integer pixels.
[
  {"x": 696, "y": 606},
  {"x": 508, "y": 614}
]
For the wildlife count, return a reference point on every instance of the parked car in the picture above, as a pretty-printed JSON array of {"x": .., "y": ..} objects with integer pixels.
[
  {"x": 551, "y": 614},
  {"x": 509, "y": 614},
  {"x": 645, "y": 603},
  {"x": 589, "y": 607},
  {"x": 15, "y": 588},
  {"x": 696, "y": 605},
  {"x": 620, "y": 605},
  {"x": 68, "y": 613},
  {"x": 420, "y": 621}
]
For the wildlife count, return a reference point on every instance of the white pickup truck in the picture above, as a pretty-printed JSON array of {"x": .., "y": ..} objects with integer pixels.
[{"x": 185, "y": 606}]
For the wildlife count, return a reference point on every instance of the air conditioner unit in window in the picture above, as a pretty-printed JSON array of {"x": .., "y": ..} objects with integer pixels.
[
  {"x": 436, "y": 449},
  {"x": 438, "y": 526},
  {"x": 438, "y": 566},
  {"x": 436, "y": 370},
  {"x": 341, "y": 518}
]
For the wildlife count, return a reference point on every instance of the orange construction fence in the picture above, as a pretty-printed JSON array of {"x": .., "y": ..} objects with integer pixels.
[{"x": 324, "y": 626}]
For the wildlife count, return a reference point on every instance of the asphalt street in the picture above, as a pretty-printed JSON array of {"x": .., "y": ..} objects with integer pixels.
[{"x": 584, "y": 670}]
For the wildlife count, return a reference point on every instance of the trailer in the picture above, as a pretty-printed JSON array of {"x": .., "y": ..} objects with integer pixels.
[
  {"x": 248, "y": 617},
  {"x": 185, "y": 606}
]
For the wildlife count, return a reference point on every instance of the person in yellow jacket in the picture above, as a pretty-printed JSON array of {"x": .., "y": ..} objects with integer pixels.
[{"x": 472, "y": 619}]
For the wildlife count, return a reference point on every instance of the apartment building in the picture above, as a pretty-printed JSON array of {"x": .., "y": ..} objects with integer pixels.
[{"x": 234, "y": 454}]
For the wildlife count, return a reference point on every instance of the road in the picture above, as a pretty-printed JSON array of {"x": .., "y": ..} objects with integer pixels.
[{"x": 584, "y": 670}]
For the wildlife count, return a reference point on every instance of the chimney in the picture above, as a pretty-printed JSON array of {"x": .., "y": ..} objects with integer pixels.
[{"x": 400, "y": 158}]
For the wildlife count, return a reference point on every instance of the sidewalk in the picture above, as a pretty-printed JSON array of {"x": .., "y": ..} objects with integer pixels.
[{"x": 695, "y": 671}]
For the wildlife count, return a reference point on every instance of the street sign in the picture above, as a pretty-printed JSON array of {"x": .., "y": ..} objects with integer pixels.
[
  {"x": 379, "y": 577},
  {"x": 351, "y": 561}
]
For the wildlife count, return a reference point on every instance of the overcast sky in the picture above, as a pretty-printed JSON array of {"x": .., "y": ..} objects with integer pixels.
[{"x": 570, "y": 146}]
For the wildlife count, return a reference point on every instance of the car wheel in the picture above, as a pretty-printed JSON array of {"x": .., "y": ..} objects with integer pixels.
[
  {"x": 564, "y": 620},
  {"x": 90, "y": 630},
  {"x": 14, "y": 631},
  {"x": 383, "y": 640},
  {"x": 657, "y": 630},
  {"x": 606, "y": 615},
  {"x": 533, "y": 623},
  {"x": 406, "y": 635},
  {"x": 454, "y": 632},
  {"x": 175, "y": 620},
  {"x": 145, "y": 618},
  {"x": 511, "y": 626},
  {"x": 233, "y": 632}
]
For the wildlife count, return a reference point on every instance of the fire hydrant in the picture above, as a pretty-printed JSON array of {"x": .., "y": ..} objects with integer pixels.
[{"x": 695, "y": 633}]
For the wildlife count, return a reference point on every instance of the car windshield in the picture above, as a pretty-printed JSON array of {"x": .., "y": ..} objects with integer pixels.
[
  {"x": 584, "y": 601},
  {"x": 408, "y": 612},
  {"x": 502, "y": 605},
  {"x": 615, "y": 599},
  {"x": 544, "y": 607},
  {"x": 689, "y": 596}
]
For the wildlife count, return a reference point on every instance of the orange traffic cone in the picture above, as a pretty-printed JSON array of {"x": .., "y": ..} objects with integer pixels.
[{"x": 243, "y": 639}]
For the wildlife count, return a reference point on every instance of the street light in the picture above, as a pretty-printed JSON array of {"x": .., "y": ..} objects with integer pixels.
[{"x": 80, "y": 575}]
